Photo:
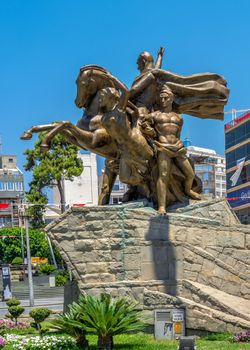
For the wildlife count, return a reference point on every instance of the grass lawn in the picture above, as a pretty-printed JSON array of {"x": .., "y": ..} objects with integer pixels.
[{"x": 147, "y": 342}]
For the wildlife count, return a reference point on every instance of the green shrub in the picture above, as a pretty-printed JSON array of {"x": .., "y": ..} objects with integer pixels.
[
  {"x": 39, "y": 315},
  {"x": 64, "y": 273},
  {"x": 107, "y": 317},
  {"x": 71, "y": 324},
  {"x": 15, "y": 311},
  {"x": 17, "y": 261},
  {"x": 218, "y": 336},
  {"x": 47, "y": 269},
  {"x": 13, "y": 302},
  {"x": 61, "y": 280}
]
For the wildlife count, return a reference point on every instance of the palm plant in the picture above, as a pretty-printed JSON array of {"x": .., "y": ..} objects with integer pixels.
[
  {"x": 107, "y": 317},
  {"x": 70, "y": 324}
]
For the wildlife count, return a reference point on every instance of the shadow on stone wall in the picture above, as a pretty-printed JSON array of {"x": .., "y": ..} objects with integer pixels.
[{"x": 163, "y": 258}]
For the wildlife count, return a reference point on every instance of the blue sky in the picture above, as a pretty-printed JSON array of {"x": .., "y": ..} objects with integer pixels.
[{"x": 45, "y": 42}]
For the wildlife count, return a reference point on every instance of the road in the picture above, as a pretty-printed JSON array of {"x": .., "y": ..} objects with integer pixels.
[{"x": 45, "y": 296}]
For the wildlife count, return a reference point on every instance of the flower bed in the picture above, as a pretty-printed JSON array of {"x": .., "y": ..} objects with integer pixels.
[
  {"x": 6, "y": 325},
  {"x": 242, "y": 337},
  {"x": 2, "y": 342},
  {"x": 19, "y": 342}
]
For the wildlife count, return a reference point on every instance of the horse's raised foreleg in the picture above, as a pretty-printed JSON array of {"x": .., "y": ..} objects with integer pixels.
[
  {"x": 74, "y": 131},
  {"x": 27, "y": 135},
  {"x": 82, "y": 138}
]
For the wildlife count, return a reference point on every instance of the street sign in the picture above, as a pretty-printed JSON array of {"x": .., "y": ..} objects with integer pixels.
[
  {"x": 178, "y": 327},
  {"x": 6, "y": 282},
  {"x": 178, "y": 316}
]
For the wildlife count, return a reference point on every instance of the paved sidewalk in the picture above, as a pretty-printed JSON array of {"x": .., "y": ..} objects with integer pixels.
[
  {"x": 44, "y": 295},
  {"x": 54, "y": 304}
]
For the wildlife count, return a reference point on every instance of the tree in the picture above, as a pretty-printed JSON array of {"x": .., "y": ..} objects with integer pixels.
[
  {"x": 15, "y": 309},
  {"x": 39, "y": 315},
  {"x": 49, "y": 169},
  {"x": 10, "y": 245},
  {"x": 35, "y": 212}
]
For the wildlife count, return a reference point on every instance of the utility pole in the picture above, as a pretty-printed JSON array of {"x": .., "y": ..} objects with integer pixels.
[
  {"x": 31, "y": 289},
  {"x": 20, "y": 221},
  {"x": 30, "y": 279},
  {"x": 52, "y": 252}
]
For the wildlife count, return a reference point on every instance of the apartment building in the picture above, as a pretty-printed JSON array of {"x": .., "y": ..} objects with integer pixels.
[{"x": 237, "y": 150}]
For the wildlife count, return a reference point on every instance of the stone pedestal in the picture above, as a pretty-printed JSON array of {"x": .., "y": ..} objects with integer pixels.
[{"x": 197, "y": 256}]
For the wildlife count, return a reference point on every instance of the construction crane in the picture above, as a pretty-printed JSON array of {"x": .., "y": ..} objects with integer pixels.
[{"x": 234, "y": 112}]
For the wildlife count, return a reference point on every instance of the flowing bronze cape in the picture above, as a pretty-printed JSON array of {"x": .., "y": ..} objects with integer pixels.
[{"x": 202, "y": 95}]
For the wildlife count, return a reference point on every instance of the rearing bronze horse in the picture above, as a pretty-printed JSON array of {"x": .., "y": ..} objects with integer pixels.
[{"x": 110, "y": 126}]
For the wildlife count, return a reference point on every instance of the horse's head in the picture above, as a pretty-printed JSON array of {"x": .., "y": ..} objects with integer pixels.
[
  {"x": 86, "y": 88},
  {"x": 91, "y": 79}
]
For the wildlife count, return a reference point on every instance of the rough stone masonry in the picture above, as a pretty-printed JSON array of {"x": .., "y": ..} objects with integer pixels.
[{"x": 197, "y": 257}]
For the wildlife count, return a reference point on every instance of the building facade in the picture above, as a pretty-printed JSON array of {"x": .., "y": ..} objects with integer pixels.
[
  {"x": 210, "y": 168},
  {"x": 118, "y": 190},
  {"x": 237, "y": 149},
  {"x": 11, "y": 190},
  {"x": 84, "y": 188}
]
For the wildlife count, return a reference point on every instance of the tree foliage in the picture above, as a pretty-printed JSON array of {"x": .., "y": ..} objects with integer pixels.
[
  {"x": 49, "y": 169},
  {"x": 15, "y": 312},
  {"x": 11, "y": 246},
  {"x": 39, "y": 315}
]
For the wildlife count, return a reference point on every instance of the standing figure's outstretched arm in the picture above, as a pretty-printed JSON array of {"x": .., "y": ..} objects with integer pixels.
[{"x": 158, "y": 62}]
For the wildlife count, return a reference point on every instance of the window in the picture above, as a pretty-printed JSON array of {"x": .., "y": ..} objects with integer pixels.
[
  {"x": 238, "y": 135},
  {"x": 205, "y": 177},
  {"x": 11, "y": 186},
  {"x": 233, "y": 156},
  {"x": 19, "y": 186},
  {"x": 243, "y": 178},
  {"x": 11, "y": 160},
  {"x": 204, "y": 167},
  {"x": 116, "y": 186},
  {"x": 121, "y": 185},
  {"x": 3, "y": 186},
  {"x": 244, "y": 215}
]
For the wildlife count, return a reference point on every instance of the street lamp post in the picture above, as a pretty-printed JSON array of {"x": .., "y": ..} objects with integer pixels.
[{"x": 30, "y": 279}]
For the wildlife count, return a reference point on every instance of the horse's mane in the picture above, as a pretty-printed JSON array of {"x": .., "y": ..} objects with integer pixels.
[
  {"x": 108, "y": 76},
  {"x": 94, "y": 67}
]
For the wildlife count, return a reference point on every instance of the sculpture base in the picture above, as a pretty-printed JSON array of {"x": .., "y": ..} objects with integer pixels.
[{"x": 196, "y": 256}]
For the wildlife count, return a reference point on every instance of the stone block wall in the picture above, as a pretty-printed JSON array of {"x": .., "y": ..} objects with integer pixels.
[{"x": 196, "y": 256}]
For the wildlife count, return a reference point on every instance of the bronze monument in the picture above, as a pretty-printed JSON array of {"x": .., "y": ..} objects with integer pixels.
[{"x": 138, "y": 130}]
